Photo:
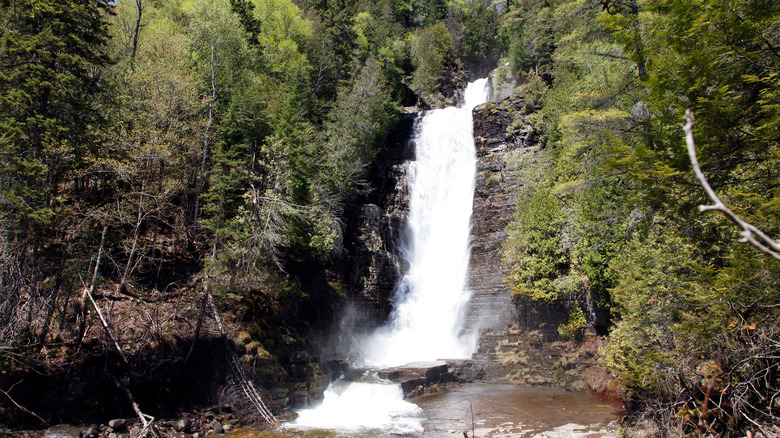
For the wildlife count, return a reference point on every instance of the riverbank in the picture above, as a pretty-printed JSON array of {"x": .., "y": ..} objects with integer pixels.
[{"x": 199, "y": 423}]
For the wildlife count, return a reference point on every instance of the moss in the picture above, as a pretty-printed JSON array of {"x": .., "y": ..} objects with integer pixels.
[
  {"x": 253, "y": 347},
  {"x": 244, "y": 337},
  {"x": 262, "y": 353}
]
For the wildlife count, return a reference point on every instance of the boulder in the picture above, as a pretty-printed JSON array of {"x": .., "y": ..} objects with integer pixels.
[
  {"x": 182, "y": 424},
  {"x": 117, "y": 424},
  {"x": 63, "y": 431},
  {"x": 216, "y": 426}
]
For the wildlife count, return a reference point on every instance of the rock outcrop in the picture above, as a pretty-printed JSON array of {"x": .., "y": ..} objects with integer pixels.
[
  {"x": 374, "y": 230},
  {"x": 519, "y": 339},
  {"x": 502, "y": 139}
]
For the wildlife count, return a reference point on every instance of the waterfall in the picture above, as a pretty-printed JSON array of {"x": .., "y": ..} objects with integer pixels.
[{"x": 427, "y": 318}]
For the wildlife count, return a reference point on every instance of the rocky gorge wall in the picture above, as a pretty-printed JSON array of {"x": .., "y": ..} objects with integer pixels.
[{"x": 519, "y": 339}]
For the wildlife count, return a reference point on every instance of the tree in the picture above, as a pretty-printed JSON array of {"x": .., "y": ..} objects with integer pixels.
[
  {"x": 52, "y": 113},
  {"x": 479, "y": 45},
  {"x": 161, "y": 124},
  {"x": 51, "y": 90},
  {"x": 220, "y": 49},
  {"x": 431, "y": 48}
]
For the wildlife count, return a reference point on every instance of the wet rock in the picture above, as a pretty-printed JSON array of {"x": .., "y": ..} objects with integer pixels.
[
  {"x": 374, "y": 225},
  {"x": 300, "y": 357},
  {"x": 63, "y": 431},
  {"x": 502, "y": 85},
  {"x": 216, "y": 426},
  {"x": 93, "y": 432},
  {"x": 182, "y": 424},
  {"x": 135, "y": 432},
  {"x": 300, "y": 399},
  {"x": 113, "y": 435},
  {"x": 418, "y": 377},
  {"x": 117, "y": 424}
]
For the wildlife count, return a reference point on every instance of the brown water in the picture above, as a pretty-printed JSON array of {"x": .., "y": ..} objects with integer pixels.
[
  {"x": 506, "y": 410},
  {"x": 493, "y": 410}
]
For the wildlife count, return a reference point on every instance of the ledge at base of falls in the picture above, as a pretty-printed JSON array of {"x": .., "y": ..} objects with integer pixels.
[{"x": 418, "y": 378}]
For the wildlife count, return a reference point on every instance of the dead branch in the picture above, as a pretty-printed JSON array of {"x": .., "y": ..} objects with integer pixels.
[
  {"x": 146, "y": 419},
  {"x": 88, "y": 294},
  {"x": 201, "y": 314},
  {"x": 750, "y": 234},
  {"x": 250, "y": 392},
  {"x": 23, "y": 408}
]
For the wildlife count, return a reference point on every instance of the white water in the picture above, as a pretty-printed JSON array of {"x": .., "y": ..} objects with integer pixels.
[
  {"x": 427, "y": 321},
  {"x": 357, "y": 406}
]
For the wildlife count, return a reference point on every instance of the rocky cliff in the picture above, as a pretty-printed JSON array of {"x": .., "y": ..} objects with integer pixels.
[
  {"x": 499, "y": 155},
  {"x": 373, "y": 232},
  {"x": 519, "y": 339}
]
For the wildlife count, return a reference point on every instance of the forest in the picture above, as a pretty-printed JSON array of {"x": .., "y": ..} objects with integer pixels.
[{"x": 156, "y": 149}]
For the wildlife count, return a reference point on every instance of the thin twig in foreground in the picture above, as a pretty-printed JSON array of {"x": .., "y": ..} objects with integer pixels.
[
  {"x": 750, "y": 234},
  {"x": 24, "y": 409}
]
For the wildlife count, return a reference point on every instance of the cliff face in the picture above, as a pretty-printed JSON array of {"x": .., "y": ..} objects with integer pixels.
[
  {"x": 497, "y": 183},
  {"x": 519, "y": 339},
  {"x": 374, "y": 230}
]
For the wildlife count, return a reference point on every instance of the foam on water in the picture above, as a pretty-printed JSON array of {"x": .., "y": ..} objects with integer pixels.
[{"x": 354, "y": 406}]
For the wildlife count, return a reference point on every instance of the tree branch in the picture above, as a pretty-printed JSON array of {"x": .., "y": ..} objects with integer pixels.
[
  {"x": 146, "y": 419},
  {"x": 750, "y": 234},
  {"x": 23, "y": 408}
]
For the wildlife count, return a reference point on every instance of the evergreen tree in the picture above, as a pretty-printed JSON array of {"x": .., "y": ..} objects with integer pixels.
[{"x": 50, "y": 88}]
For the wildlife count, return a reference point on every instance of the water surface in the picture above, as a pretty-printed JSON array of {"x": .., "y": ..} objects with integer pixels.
[{"x": 495, "y": 410}]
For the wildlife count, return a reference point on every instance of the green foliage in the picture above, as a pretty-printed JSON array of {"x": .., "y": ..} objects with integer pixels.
[
  {"x": 538, "y": 249},
  {"x": 651, "y": 295},
  {"x": 50, "y": 89},
  {"x": 683, "y": 297},
  {"x": 575, "y": 327},
  {"x": 362, "y": 117},
  {"x": 479, "y": 44},
  {"x": 431, "y": 48},
  {"x": 530, "y": 41}
]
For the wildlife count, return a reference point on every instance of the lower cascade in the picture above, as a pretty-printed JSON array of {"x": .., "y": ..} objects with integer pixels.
[{"x": 426, "y": 323}]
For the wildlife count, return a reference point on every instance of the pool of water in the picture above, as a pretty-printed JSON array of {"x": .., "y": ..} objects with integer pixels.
[
  {"x": 506, "y": 410},
  {"x": 496, "y": 410}
]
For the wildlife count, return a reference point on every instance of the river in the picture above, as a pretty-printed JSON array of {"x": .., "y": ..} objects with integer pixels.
[{"x": 487, "y": 410}]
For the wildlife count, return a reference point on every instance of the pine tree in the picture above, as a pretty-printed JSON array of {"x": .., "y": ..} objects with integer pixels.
[{"x": 51, "y": 55}]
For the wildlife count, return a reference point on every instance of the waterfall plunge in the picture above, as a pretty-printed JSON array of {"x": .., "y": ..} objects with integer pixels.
[{"x": 427, "y": 319}]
